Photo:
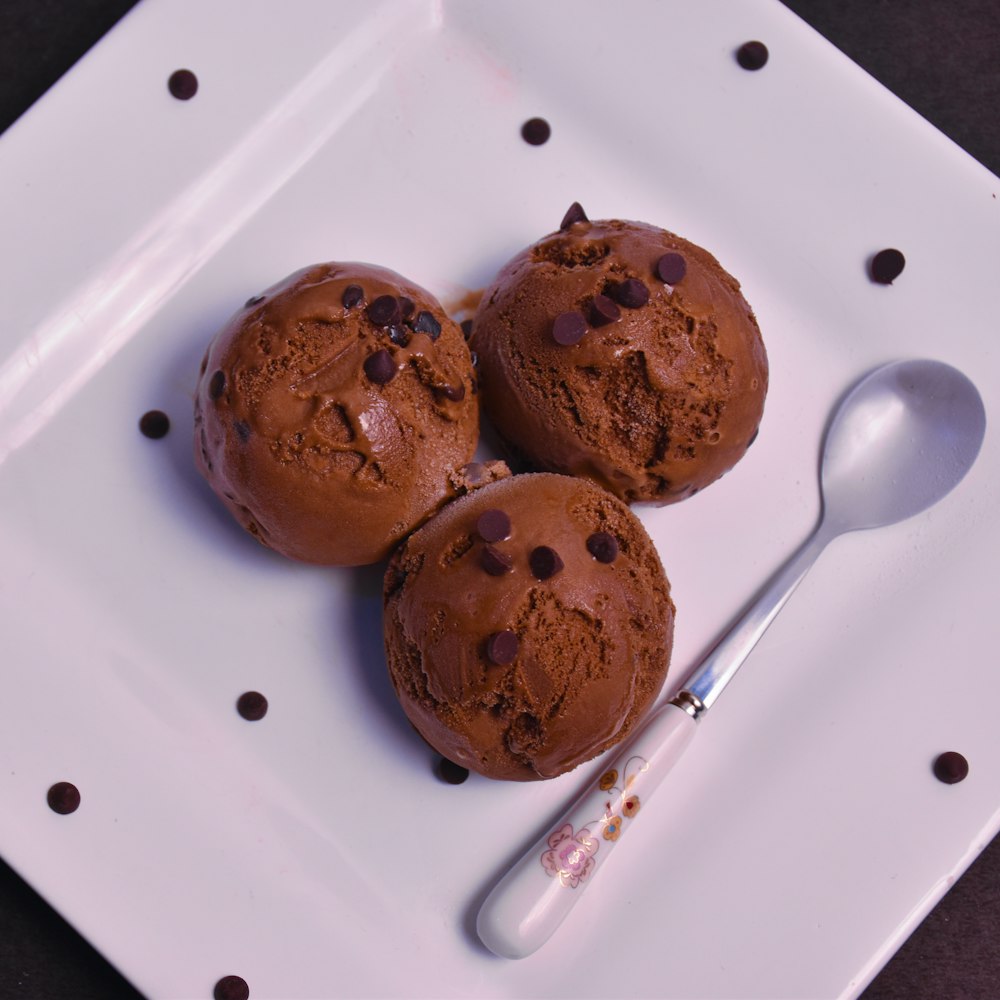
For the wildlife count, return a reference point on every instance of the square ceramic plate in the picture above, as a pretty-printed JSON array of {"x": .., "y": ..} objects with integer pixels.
[{"x": 314, "y": 853}]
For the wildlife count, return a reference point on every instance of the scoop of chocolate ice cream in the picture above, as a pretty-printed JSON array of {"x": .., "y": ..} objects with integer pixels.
[
  {"x": 332, "y": 411},
  {"x": 621, "y": 352},
  {"x": 528, "y": 626}
]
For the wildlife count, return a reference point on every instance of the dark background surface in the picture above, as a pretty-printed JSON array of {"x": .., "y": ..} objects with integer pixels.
[{"x": 943, "y": 59}]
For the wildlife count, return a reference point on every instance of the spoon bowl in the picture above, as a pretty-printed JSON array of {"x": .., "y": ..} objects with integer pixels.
[{"x": 901, "y": 439}]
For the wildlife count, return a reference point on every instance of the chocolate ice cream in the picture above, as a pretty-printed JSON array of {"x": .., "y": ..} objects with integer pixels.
[
  {"x": 528, "y": 626},
  {"x": 621, "y": 352},
  {"x": 332, "y": 410}
]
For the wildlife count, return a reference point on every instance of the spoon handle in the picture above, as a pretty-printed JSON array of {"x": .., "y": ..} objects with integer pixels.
[
  {"x": 527, "y": 906},
  {"x": 529, "y": 903}
]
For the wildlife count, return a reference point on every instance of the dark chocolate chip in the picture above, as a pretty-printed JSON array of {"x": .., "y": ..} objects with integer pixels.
[
  {"x": 670, "y": 268},
  {"x": 495, "y": 562},
  {"x": 450, "y": 772},
  {"x": 466, "y": 326},
  {"x": 501, "y": 647},
  {"x": 64, "y": 798},
  {"x": 254, "y": 301},
  {"x": 252, "y": 705},
  {"x": 380, "y": 367},
  {"x": 242, "y": 429},
  {"x": 183, "y": 84},
  {"x": 154, "y": 424},
  {"x": 456, "y": 393},
  {"x": 385, "y": 311},
  {"x": 631, "y": 293},
  {"x": 399, "y": 335},
  {"x": 353, "y": 296},
  {"x": 603, "y": 546},
  {"x": 951, "y": 767},
  {"x": 603, "y": 311},
  {"x": 568, "y": 328},
  {"x": 887, "y": 266},
  {"x": 406, "y": 307},
  {"x": 544, "y": 562},
  {"x": 536, "y": 131},
  {"x": 493, "y": 525},
  {"x": 217, "y": 384},
  {"x": 231, "y": 988},
  {"x": 426, "y": 323},
  {"x": 752, "y": 55},
  {"x": 574, "y": 213}
]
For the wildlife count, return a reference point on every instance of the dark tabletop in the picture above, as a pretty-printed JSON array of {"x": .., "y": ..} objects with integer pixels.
[{"x": 941, "y": 58}]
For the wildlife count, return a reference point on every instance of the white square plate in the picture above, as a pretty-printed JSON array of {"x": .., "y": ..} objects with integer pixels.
[{"x": 314, "y": 853}]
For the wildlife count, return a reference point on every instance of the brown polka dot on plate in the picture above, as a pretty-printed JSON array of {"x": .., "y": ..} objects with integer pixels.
[
  {"x": 63, "y": 798},
  {"x": 886, "y": 266},
  {"x": 951, "y": 767},
  {"x": 231, "y": 988},
  {"x": 154, "y": 424},
  {"x": 752, "y": 55},
  {"x": 183, "y": 84},
  {"x": 536, "y": 131},
  {"x": 252, "y": 705}
]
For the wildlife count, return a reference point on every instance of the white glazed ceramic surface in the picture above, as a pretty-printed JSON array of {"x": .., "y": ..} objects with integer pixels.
[{"x": 314, "y": 853}]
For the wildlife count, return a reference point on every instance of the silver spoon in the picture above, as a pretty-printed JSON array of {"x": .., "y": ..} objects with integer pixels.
[{"x": 901, "y": 439}]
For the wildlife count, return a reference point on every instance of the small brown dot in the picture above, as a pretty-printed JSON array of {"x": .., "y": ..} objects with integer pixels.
[
  {"x": 536, "y": 131},
  {"x": 603, "y": 546},
  {"x": 752, "y": 55},
  {"x": 353, "y": 296},
  {"x": 450, "y": 772},
  {"x": 502, "y": 647},
  {"x": 495, "y": 562},
  {"x": 217, "y": 384},
  {"x": 631, "y": 293},
  {"x": 385, "y": 311},
  {"x": 380, "y": 367},
  {"x": 603, "y": 311},
  {"x": 154, "y": 424},
  {"x": 568, "y": 329},
  {"x": 670, "y": 268},
  {"x": 63, "y": 798},
  {"x": 183, "y": 84},
  {"x": 544, "y": 562},
  {"x": 886, "y": 266},
  {"x": 951, "y": 767},
  {"x": 493, "y": 525},
  {"x": 252, "y": 705},
  {"x": 231, "y": 988}
]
